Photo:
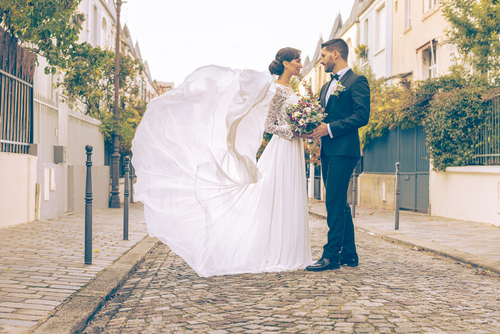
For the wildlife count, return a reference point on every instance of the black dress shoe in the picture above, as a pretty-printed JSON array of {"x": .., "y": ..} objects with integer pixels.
[
  {"x": 323, "y": 264},
  {"x": 349, "y": 262}
]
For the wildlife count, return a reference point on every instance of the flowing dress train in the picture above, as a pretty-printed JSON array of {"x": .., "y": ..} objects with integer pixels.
[{"x": 204, "y": 194}]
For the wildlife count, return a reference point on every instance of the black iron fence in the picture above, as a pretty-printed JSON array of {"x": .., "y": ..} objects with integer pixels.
[
  {"x": 16, "y": 114},
  {"x": 17, "y": 67},
  {"x": 407, "y": 147},
  {"x": 488, "y": 151}
]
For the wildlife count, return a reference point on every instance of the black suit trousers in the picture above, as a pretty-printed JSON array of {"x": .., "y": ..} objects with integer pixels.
[{"x": 337, "y": 171}]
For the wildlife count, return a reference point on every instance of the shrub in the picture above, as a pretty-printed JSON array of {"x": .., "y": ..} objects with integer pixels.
[{"x": 453, "y": 125}]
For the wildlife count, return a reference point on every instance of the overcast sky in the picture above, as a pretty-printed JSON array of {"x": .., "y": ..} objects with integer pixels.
[{"x": 176, "y": 37}]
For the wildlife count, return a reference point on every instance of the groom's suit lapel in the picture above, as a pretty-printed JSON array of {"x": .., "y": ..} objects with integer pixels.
[
  {"x": 346, "y": 76},
  {"x": 344, "y": 81},
  {"x": 324, "y": 89}
]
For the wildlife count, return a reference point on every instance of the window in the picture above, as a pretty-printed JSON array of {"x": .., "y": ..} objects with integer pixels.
[
  {"x": 407, "y": 14},
  {"x": 365, "y": 39},
  {"x": 433, "y": 69},
  {"x": 351, "y": 59},
  {"x": 95, "y": 28},
  {"x": 380, "y": 31},
  {"x": 428, "y": 4},
  {"x": 430, "y": 61},
  {"x": 104, "y": 33}
]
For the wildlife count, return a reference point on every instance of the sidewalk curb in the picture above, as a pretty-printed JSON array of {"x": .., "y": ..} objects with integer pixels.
[
  {"x": 72, "y": 316},
  {"x": 429, "y": 246}
]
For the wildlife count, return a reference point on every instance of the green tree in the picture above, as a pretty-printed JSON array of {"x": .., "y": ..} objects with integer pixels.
[
  {"x": 91, "y": 80},
  {"x": 475, "y": 30},
  {"x": 49, "y": 28},
  {"x": 374, "y": 83}
]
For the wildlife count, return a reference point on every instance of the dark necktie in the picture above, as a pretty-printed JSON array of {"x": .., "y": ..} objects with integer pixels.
[{"x": 334, "y": 76}]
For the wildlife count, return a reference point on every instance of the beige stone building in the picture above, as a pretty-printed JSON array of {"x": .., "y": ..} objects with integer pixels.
[
  {"x": 314, "y": 73},
  {"x": 164, "y": 87},
  {"x": 350, "y": 31},
  {"x": 420, "y": 49}
]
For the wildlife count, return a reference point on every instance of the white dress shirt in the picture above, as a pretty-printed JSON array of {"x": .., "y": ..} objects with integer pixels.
[{"x": 329, "y": 92}]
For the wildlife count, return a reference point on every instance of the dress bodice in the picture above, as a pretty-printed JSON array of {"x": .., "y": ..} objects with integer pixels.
[{"x": 276, "y": 119}]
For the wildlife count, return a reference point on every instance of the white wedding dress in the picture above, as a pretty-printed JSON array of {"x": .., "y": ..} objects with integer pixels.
[{"x": 204, "y": 194}]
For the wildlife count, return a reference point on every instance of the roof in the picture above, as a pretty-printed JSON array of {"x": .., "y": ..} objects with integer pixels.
[
  {"x": 306, "y": 62},
  {"x": 337, "y": 26},
  {"x": 356, "y": 10},
  {"x": 366, "y": 6},
  {"x": 128, "y": 38},
  {"x": 137, "y": 51},
  {"x": 310, "y": 63},
  {"x": 147, "y": 71},
  {"x": 315, "y": 58}
]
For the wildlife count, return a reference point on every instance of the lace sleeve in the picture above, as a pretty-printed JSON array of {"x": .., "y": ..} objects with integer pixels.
[{"x": 274, "y": 112}]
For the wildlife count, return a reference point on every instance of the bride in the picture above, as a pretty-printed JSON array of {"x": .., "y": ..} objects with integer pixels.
[{"x": 204, "y": 194}]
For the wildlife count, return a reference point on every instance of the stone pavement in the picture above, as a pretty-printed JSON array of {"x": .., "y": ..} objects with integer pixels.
[
  {"x": 42, "y": 270},
  {"x": 467, "y": 241},
  {"x": 42, "y": 263},
  {"x": 394, "y": 290}
]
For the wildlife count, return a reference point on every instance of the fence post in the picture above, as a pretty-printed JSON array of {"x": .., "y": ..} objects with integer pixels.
[
  {"x": 125, "y": 198},
  {"x": 88, "y": 207},
  {"x": 354, "y": 191},
  {"x": 396, "y": 201}
]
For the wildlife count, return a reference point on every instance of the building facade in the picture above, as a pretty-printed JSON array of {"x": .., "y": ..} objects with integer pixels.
[
  {"x": 375, "y": 31},
  {"x": 50, "y": 179},
  {"x": 420, "y": 49}
]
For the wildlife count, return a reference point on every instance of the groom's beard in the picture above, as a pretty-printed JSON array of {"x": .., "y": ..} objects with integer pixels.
[{"x": 329, "y": 68}]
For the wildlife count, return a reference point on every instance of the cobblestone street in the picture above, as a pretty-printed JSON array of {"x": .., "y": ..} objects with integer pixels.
[
  {"x": 396, "y": 289},
  {"x": 42, "y": 263}
]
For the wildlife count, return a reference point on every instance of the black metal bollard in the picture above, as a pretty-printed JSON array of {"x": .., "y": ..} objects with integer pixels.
[
  {"x": 88, "y": 207},
  {"x": 125, "y": 198},
  {"x": 354, "y": 190},
  {"x": 131, "y": 183},
  {"x": 396, "y": 200}
]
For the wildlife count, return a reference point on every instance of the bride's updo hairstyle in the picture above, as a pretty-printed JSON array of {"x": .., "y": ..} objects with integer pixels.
[{"x": 285, "y": 54}]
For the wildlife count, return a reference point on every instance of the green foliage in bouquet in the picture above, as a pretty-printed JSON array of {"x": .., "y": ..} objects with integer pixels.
[{"x": 312, "y": 147}]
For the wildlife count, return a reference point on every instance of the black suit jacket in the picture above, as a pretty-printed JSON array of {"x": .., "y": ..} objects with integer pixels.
[{"x": 346, "y": 114}]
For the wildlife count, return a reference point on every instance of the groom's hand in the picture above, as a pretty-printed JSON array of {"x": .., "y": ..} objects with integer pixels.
[{"x": 320, "y": 131}]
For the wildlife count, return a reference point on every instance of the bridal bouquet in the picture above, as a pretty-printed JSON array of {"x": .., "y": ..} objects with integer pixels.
[{"x": 305, "y": 115}]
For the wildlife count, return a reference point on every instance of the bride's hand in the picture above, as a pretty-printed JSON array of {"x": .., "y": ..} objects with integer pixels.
[{"x": 303, "y": 136}]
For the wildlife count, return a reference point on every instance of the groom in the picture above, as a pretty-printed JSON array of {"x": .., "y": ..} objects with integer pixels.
[{"x": 346, "y": 99}]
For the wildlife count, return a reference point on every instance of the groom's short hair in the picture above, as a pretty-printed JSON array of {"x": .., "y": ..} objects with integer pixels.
[{"x": 337, "y": 44}]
